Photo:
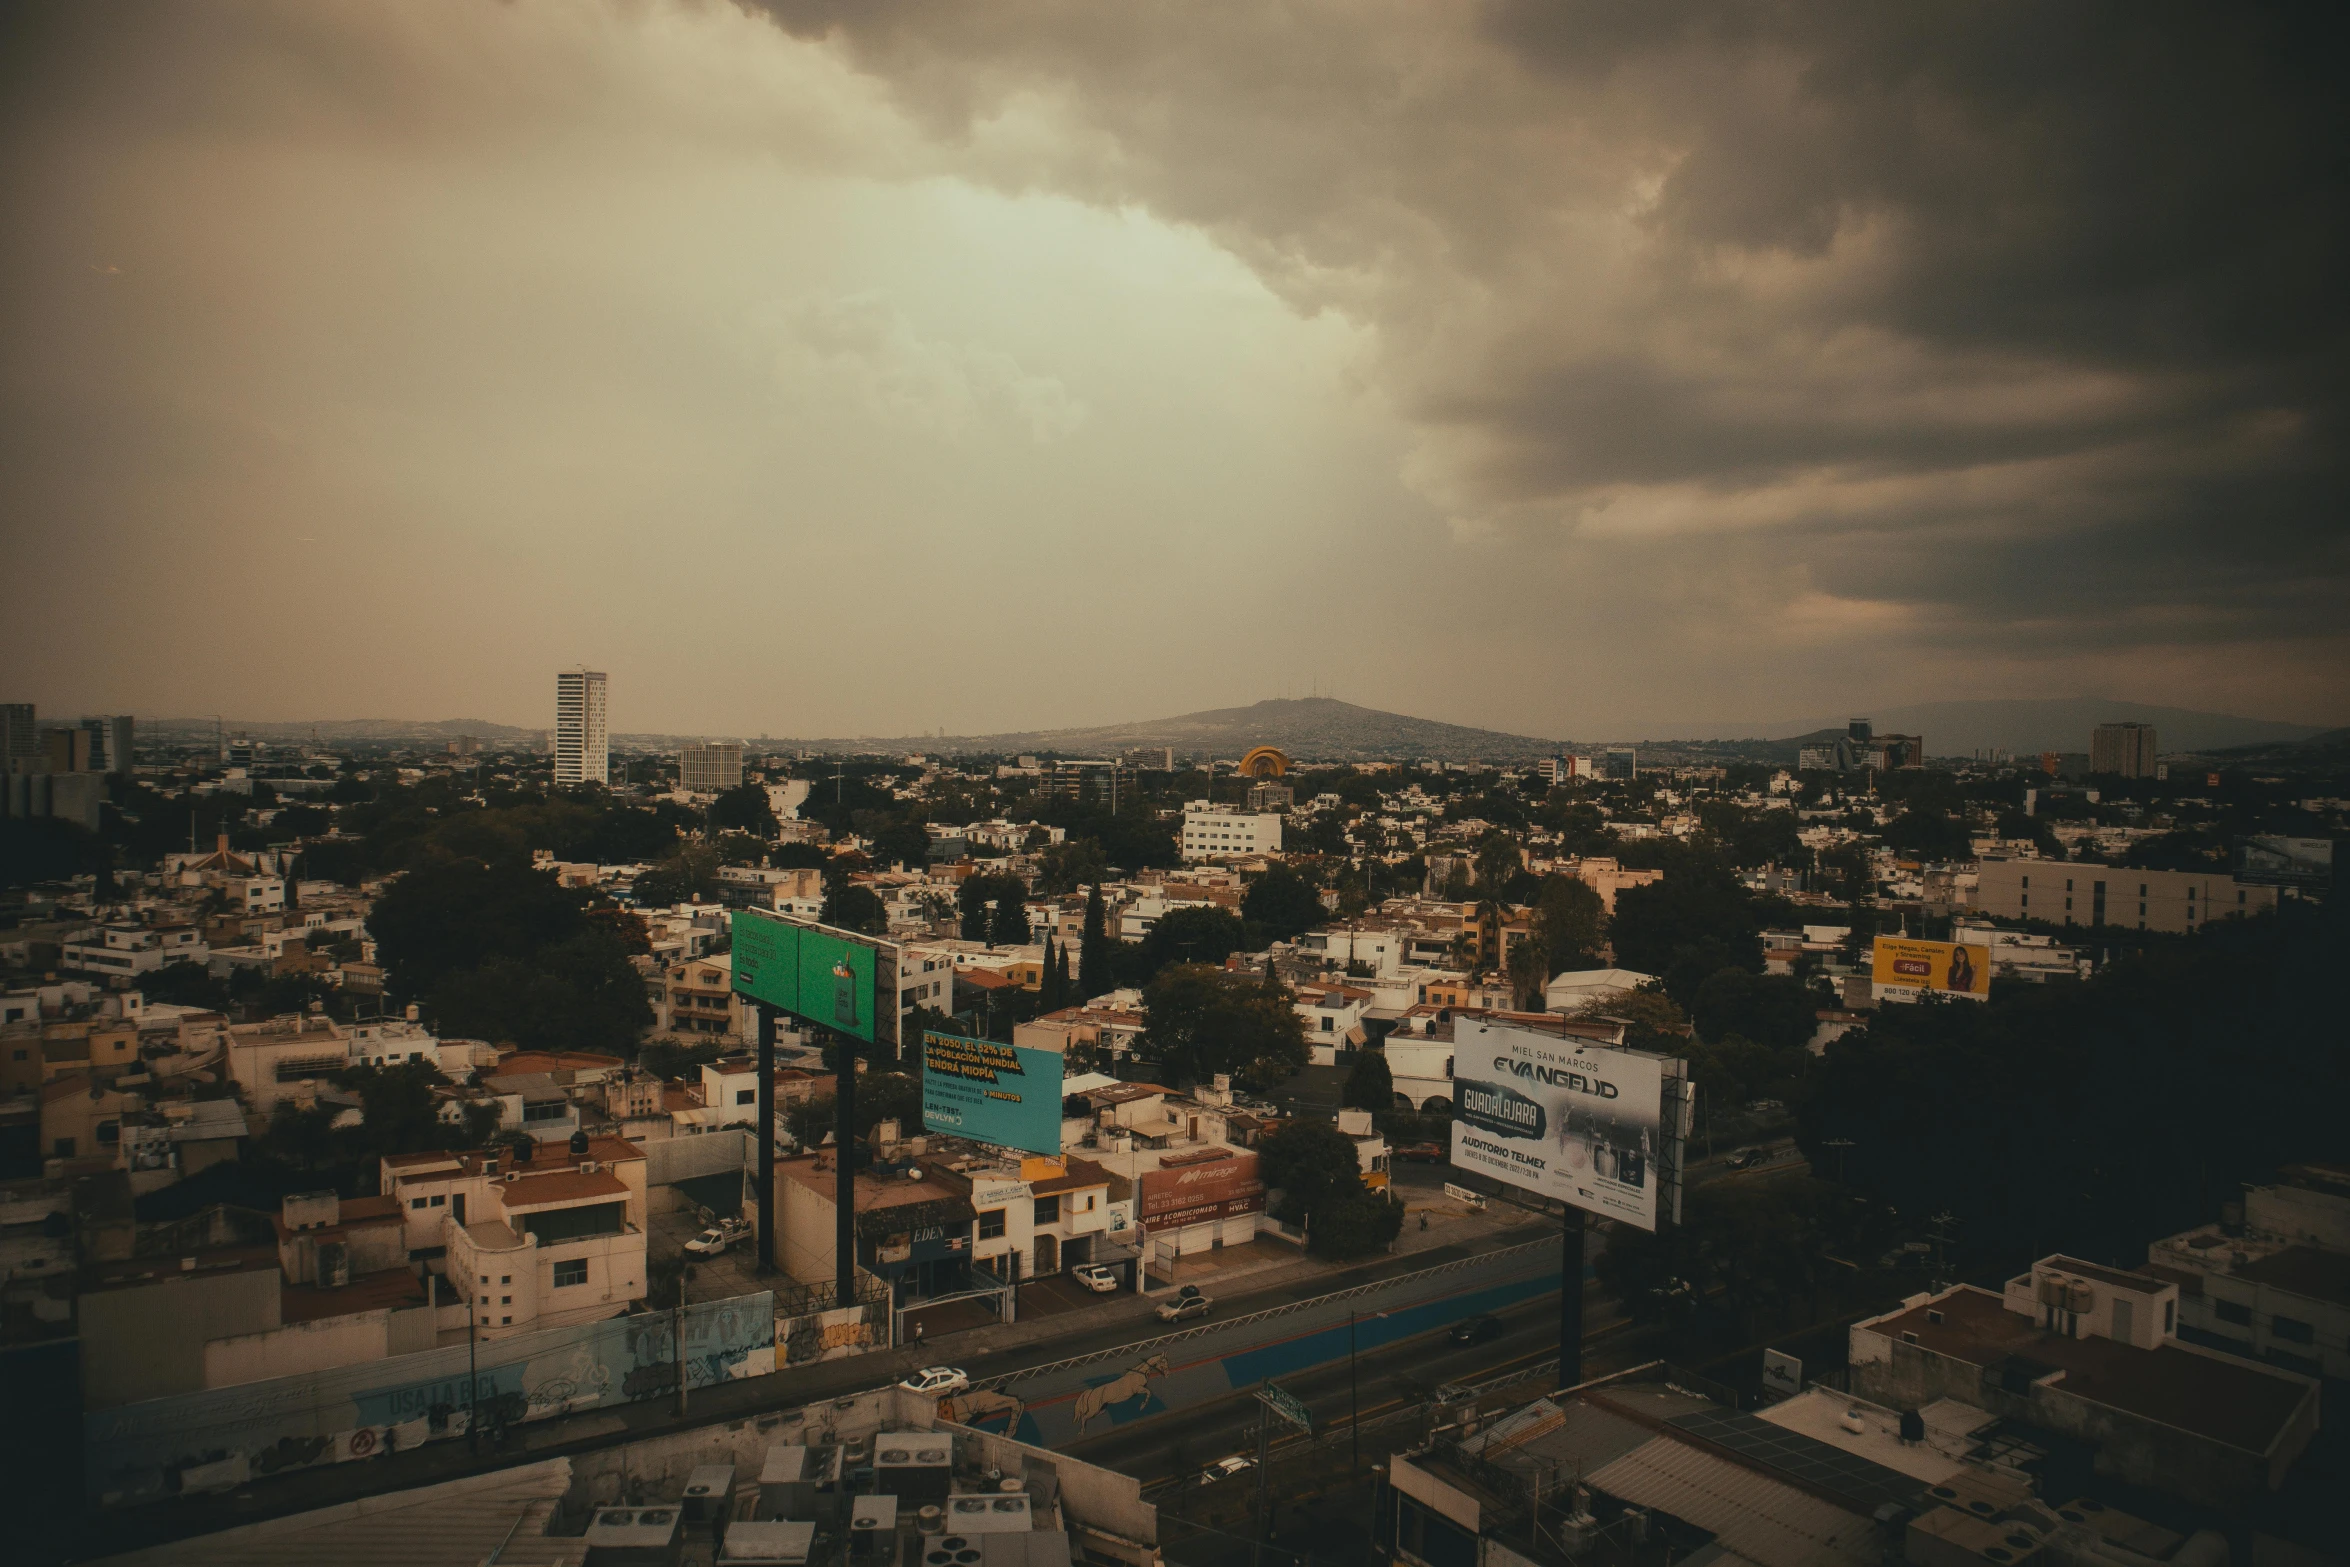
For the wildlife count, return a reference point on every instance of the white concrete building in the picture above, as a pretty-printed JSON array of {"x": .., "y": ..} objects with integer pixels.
[
  {"x": 583, "y": 752},
  {"x": 1212, "y": 831}
]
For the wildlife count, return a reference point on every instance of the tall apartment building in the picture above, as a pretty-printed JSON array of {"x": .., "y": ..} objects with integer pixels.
[
  {"x": 713, "y": 768},
  {"x": 68, "y": 750},
  {"x": 2126, "y": 749},
  {"x": 583, "y": 752},
  {"x": 110, "y": 743},
  {"x": 20, "y": 737},
  {"x": 2071, "y": 893}
]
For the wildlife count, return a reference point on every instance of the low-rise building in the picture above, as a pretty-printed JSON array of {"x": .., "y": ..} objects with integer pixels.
[
  {"x": 286, "y": 1058},
  {"x": 1212, "y": 831},
  {"x": 2060, "y": 892},
  {"x": 2275, "y": 1287},
  {"x": 2092, "y": 1354}
]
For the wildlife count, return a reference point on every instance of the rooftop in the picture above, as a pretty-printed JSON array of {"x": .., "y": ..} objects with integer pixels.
[
  {"x": 2303, "y": 1270},
  {"x": 390, "y": 1289},
  {"x": 539, "y": 1191},
  {"x": 816, "y": 1173},
  {"x": 2118, "y": 1278},
  {"x": 2215, "y": 1396}
]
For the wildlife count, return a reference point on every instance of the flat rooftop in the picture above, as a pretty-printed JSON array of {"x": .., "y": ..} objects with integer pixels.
[
  {"x": 393, "y": 1288},
  {"x": 871, "y": 1192},
  {"x": 2215, "y": 1396},
  {"x": 2303, "y": 1270}
]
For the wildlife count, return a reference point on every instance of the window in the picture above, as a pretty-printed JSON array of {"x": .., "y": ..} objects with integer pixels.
[
  {"x": 505, "y": 1322},
  {"x": 416, "y": 1202},
  {"x": 991, "y": 1224},
  {"x": 2291, "y": 1330},
  {"x": 505, "y": 1278},
  {"x": 1048, "y": 1210},
  {"x": 2170, "y": 1315},
  {"x": 746, "y": 1096},
  {"x": 2231, "y": 1311},
  {"x": 505, "y": 1300}
]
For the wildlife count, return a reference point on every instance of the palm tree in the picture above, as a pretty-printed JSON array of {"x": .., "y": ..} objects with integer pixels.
[{"x": 1528, "y": 968}]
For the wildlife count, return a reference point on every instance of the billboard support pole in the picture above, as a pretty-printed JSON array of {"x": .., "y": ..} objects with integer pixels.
[
  {"x": 766, "y": 1242},
  {"x": 1571, "y": 1298},
  {"x": 844, "y": 1190}
]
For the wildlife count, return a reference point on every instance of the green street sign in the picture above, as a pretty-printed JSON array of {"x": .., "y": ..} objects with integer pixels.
[
  {"x": 1283, "y": 1403},
  {"x": 810, "y": 971}
]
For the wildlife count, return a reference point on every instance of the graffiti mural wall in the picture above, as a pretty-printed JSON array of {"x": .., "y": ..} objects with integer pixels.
[{"x": 227, "y": 1436}]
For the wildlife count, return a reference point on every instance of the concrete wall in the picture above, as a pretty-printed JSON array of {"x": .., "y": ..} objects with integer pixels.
[
  {"x": 296, "y": 1348},
  {"x": 710, "y": 1153},
  {"x": 148, "y": 1341}
]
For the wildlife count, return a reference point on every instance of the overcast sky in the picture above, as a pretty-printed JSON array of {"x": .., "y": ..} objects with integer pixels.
[{"x": 864, "y": 369}]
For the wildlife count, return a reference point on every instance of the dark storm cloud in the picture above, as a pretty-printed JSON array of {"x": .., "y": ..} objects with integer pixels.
[{"x": 2009, "y": 315}]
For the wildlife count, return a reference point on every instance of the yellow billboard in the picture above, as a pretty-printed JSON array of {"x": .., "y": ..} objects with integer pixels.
[{"x": 1940, "y": 966}]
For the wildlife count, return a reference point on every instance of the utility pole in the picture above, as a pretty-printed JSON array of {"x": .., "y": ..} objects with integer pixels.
[
  {"x": 472, "y": 1373},
  {"x": 766, "y": 1166},
  {"x": 844, "y": 1180},
  {"x": 685, "y": 1276}
]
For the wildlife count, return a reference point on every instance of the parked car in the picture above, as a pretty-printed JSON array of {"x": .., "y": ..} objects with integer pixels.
[
  {"x": 1225, "y": 1469},
  {"x": 719, "y": 1237},
  {"x": 1480, "y": 1329},
  {"x": 938, "y": 1381},
  {"x": 1184, "y": 1307},
  {"x": 1423, "y": 1153},
  {"x": 1095, "y": 1277},
  {"x": 1747, "y": 1158}
]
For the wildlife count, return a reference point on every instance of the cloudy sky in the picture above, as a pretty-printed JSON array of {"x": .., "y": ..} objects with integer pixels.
[{"x": 1573, "y": 369}]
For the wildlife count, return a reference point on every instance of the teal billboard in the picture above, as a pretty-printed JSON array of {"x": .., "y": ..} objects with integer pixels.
[
  {"x": 810, "y": 971},
  {"x": 991, "y": 1093}
]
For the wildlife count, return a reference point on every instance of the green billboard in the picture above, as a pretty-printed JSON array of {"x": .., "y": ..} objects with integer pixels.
[{"x": 810, "y": 971}]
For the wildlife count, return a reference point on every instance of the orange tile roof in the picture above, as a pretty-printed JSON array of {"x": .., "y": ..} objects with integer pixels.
[
  {"x": 533, "y": 1191},
  {"x": 395, "y": 1288}
]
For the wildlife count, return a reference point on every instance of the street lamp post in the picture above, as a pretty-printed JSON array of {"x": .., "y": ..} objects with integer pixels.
[{"x": 1354, "y": 1407}]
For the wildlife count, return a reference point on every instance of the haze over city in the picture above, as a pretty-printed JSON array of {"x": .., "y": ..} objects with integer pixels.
[{"x": 1543, "y": 369}]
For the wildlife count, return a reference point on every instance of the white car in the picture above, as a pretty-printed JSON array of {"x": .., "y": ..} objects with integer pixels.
[
  {"x": 1225, "y": 1469},
  {"x": 938, "y": 1381},
  {"x": 1095, "y": 1277}
]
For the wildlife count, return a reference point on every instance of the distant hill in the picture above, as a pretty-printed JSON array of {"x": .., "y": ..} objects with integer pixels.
[
  {"x": 1314, "y": 729},
  {"x": 2062, "y": 724},
  {"x": 346, "y": 729}
]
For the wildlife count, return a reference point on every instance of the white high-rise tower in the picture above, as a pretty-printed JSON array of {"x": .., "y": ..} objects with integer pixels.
[{"x": 582, "y": 751}]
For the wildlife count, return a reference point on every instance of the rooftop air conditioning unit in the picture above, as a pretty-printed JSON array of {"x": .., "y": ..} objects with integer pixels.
[
  {"x": 513, "y": 1175},
  {"x": 587, "y": 1166}
]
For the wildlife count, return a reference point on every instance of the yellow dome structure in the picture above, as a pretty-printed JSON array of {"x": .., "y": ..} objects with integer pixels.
[{"x": 1263, "y": 762}]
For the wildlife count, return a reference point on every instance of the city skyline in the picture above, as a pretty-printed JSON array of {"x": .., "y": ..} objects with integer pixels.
[{"x": 527, "y": 335}]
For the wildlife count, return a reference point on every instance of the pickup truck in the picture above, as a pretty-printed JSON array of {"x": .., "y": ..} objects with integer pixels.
[{"x": 719, "y": 1237}]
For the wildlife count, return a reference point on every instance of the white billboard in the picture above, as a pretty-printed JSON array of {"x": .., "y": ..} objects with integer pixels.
[{"x": 1563, "y": 1118}]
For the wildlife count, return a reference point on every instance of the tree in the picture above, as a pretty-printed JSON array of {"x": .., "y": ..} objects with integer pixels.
[
  {"x": 1686, "y": 927},
  {"x": 1370, "y": 1086},
  {"x": 1283, "y": 905},
  {"x": 1528, "y": 969},
  {"x": 1498, "y": 858},
  {"x": 881, "y": 1096},
  {"x": 851, "y": 905},
  {"x": 1204, "y": 1020},
  {"x": 982, "y": 897},
  {"x": 1777, "y": 1011},
  {"x": 1068, "y": 865},
  {"x": 1654, "y": 1021},
  {"x": 1093, "y": 953},
  {"x": 688, "y": 875},
  {"x": 1319, "y": 1176},
  {"x": 744, "y": 808},
  {"x": 1007, "y": 926},
  {"x": 904, "y": 842},
  {"x": 1570, "y": 921},
  {"x": 1201, "y": 935}
]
